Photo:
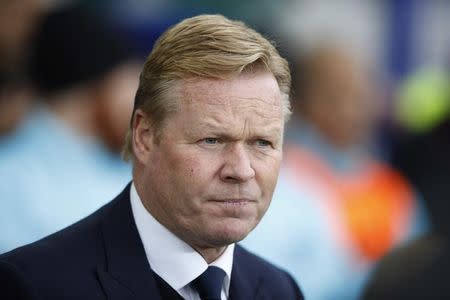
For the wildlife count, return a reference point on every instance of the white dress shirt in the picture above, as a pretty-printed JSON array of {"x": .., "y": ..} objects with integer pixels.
[{"x": 172, "y": 259}]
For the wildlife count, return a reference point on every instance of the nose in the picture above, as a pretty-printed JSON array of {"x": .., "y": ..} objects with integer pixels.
[{"x": 237, "y": 167}]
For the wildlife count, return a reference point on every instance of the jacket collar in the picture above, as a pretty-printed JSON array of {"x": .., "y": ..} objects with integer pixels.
[
  {"x": 245, "y": 280},
  {"x": 128, "y": 274}
]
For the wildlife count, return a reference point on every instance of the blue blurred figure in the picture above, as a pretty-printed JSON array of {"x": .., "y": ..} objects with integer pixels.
[{"x": 64, "y": 162}]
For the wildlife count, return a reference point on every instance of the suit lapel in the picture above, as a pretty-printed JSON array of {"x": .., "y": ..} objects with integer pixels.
[
  {"x": 245, "y": 284},
  {"x": 128, "y": 274},
  {"x": 113, "y": 288}
]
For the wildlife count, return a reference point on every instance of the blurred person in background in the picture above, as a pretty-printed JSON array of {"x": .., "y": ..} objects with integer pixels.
[
  {"x": 17, "y": 20},
  {"x": 346, "y": 208},
  {"x": 420, "y": 269},
  {"x": 15, "y": 101},
  {"x": 64, "y": 161}
]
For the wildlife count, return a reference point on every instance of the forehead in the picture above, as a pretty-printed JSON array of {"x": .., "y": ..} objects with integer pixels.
[{"x": 257, "y": 91}]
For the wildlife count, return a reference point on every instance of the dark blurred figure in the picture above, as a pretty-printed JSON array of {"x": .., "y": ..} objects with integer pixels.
[
  {"x": 85, "y": 74},
  {"x": 421, "y": 270},
  {"x": 346, "y": 207},
  {"x": 17, "y": 20},
  {"x": 425, "y": 159},
  {"x": 69, "y": 146},
  {"x": 15, "y": 101}
]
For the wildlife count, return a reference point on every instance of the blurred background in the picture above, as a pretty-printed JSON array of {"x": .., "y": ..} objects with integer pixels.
[{"x": 360, "y": 210}]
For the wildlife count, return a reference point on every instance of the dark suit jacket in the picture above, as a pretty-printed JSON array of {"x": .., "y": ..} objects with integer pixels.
[{"x": 102, "y": 257}]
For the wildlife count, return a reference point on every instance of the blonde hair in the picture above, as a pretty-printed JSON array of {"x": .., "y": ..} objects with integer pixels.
[{"x": 208, "y": 46}]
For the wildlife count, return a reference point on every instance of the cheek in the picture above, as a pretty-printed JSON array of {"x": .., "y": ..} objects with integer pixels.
[
  {"x": 269, "y": 185},
  {"x": 191, "y": 171},
  {"x": 267, "y": 174}
]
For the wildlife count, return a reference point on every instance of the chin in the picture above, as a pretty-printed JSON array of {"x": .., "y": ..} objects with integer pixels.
[{"x": 230, "y": 232}]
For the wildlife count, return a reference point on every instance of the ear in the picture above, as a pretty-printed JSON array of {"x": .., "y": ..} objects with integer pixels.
[{"x": 143, "y": 136}]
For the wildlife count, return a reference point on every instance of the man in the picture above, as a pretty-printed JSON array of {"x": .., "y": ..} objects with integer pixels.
[
  {"x": 206, "y": 145},
  {"x": 353, "y": 208},
  {"x": 64, "y": 157},
  {"x": 17, "y": 20}
]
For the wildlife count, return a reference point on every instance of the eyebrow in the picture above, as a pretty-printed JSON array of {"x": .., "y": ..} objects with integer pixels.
[{"x": 264, "y": 131}]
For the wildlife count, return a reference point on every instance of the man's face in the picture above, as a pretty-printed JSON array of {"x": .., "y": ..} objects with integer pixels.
[{"x": 211, "y": 177}]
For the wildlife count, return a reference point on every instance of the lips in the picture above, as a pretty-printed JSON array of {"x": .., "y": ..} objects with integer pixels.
[
  {"x": 236, "y": 208},
  {"x": 233, "y": 201}
]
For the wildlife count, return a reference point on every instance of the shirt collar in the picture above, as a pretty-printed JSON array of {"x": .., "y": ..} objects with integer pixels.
[{"x": 172, "y": 259}]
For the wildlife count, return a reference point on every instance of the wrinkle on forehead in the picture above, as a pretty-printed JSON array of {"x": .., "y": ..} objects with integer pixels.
[
  {"x": 271, "y": 125},
  {"x": 217, "y": 93},
  {"x": 234, "y": 111},
  {"x": 239, "y": 106}
]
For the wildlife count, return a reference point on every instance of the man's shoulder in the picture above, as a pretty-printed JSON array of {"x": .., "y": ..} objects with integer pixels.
[
  {"x": 276, "y": 282},
  {"x": 61, "y": 244},
  {"x": 76, "y": 237},
  {"x": 67, "y": 259},
  {"x": 72, "y": 245}
]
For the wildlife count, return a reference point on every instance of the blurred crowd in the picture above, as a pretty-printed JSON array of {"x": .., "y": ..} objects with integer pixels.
[
  {"x": 67, "y": 89},
  {"x": 360, "y": 209}
]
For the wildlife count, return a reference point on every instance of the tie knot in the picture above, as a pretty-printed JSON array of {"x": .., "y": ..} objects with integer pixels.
[{"x": 209, "y": 284}]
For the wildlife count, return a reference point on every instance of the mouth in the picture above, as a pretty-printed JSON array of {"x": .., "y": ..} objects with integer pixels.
[
  {"x": 233, "y": 201},
  {"x": 236, "y": 208}
]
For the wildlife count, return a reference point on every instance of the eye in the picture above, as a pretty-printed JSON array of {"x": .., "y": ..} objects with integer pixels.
[
  {"x": 210, "y": 141},
  {"x": 263, "y": 143}
]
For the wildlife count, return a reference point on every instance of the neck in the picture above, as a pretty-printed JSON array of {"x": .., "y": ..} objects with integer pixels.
[{"x": 210, "y": 254}]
